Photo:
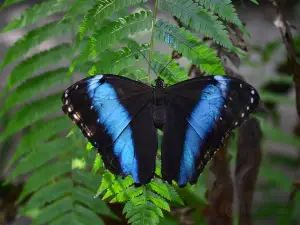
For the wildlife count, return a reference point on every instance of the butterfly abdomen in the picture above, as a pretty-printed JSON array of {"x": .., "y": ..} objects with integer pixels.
[{"x": 159, "y": 112}]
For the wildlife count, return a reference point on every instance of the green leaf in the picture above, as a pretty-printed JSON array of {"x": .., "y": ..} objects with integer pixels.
[
  {"x": 158, "y": 201},
  {"x": 224, "y": 9},
  {"x": 127, "y": 194},
  {"x": 277, "y": 135},
  {"x": 34, "y": 137},
  {"x": 30, "y": 114},
  {"x": 42, "y": 155},
  {"x": 54, "y": 210},
  {"x": 86, "y": 197},
  {"x": 197, "y": 18},
  {"x": 43, "y": 176},
  {"x": 101, "y": 11},
  {"x": 65, "y": 219},
  {"x": 86, "y": 216},
  {"x": 49, "y": 194},
  {"x": 78, "y": 7},
  {"x": 255, "y": 2},
  {"x": 33, "y": 38},
  {"x": 37, "y": 12},
  {"x": 89, "y": 180},
  {"x": 170, "y": 70},
  {"x": 189, "y": 45},
  {"x": 115, "y": 62},
  {"x": 38, "y": 62},
  {"x": 9, "y": 2},
  {"x": 276, "y": 98},
  {"x": 113, "y": 32},
  {"x": 32, "y": 87},
  {"x": 97, "y": 164},
  {"x": 276, "y": 177}
]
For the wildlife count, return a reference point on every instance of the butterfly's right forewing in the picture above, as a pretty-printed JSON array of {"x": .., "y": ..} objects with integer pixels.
[{"x": 201, "y": 112}]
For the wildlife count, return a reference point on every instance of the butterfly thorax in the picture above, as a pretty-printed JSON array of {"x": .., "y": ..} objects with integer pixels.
[{"x": 158, "y": 103}]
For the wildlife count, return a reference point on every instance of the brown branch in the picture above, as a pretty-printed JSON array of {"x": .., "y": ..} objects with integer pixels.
[
  {"x": 282, "y": 24},
  {"x": 247, "y": 167},
  {"x": 284, "y": 27},
  {"x": 221, "y": 194}
]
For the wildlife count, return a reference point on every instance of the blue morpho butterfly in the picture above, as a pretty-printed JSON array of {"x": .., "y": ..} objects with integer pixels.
[{"x": 120, "y": 117}]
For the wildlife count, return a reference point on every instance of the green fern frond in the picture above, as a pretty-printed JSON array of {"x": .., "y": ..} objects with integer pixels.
[
  {"x": 172, "y": 73},
  {"x": 41, "y": 132},
  {"x": 44, "y": 175},
  {"x": 197, "y": 18},
  {"x": 189, "y": 45},
  {"x": 134, "y": 74},
  {"x": 34, "y": 86},
  {"x": 114, "y": 62},
  {"x": 115, "y": 31},
  {"x": 78, "y": 7},
  {"x": 50, "y": 193},
  {"x": 37, "y": 12},
  {"x": 37, "y": 62},
  {"x": 143, "y": 204},
  {"x": 30, "y": 114},
  {"x": 255, "y": 2},
  {"x": 43, "y": 154},
  {"x": 224, "y": 9},
  {"x": 10, "y": 2},
  {"x": 97, "y": 164},
  {"x": 51, "y": 212},
  {"x": 101, "y": 11},
  {"x": 34, "y": 38}
]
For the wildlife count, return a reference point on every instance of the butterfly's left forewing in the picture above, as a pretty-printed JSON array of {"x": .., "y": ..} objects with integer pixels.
[
  {"x": 114, "y": 114},
  {"x": 200, "y": 113}
]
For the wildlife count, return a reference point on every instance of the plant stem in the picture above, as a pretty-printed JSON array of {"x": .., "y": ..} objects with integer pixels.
[{"x": 152, "y": 39}]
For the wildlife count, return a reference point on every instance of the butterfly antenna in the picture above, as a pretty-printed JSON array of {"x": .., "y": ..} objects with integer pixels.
[
  {"x": 147, "y": 61},
  {"x": 166, "y": 66}
]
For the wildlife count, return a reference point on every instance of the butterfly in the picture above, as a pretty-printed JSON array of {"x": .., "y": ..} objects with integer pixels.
[{"x": 120, "y": 118}]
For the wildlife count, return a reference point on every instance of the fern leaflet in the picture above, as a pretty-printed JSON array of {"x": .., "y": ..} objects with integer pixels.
[
  {"x": 33, "y": 86},
  {"x": 34, "y": 136},
  {"x": 30, "y": 114},
  {"x": 189, "y": 45},
  {"x": 33, "y": 38},
  {"x": 224, "y": 9},
  {"x": 114, "y": 62},
  {"x": 38, "y": 11},
  {"x": 118, "y": 30},
  {"x": 197, "y": 18},
  {"x": 101, "y": 11}
]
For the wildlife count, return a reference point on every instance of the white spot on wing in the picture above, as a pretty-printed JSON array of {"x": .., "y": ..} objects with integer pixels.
[
  {"x": 243, "y": 114},
  {"x": 69, "y": 109},
  {"x": 252, "y": 100},
  {"x": 248, "y": 107},
  {"x": 253, "y": 92},
  {"x": 76, "y": 116}
]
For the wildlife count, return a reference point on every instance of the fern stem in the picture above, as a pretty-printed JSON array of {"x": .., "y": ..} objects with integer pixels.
[{"x": 152, "y": 39}]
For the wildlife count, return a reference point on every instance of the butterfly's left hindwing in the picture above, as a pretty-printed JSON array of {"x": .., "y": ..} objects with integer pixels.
[
  {"x": 110, "y": 111},
  {"x": 200, "y": 113}
]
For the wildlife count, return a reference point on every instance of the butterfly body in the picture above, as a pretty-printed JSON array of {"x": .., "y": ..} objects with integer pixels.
[
  {"x": 120, "y": 117},
  {"x": 159, "y": 102}
]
